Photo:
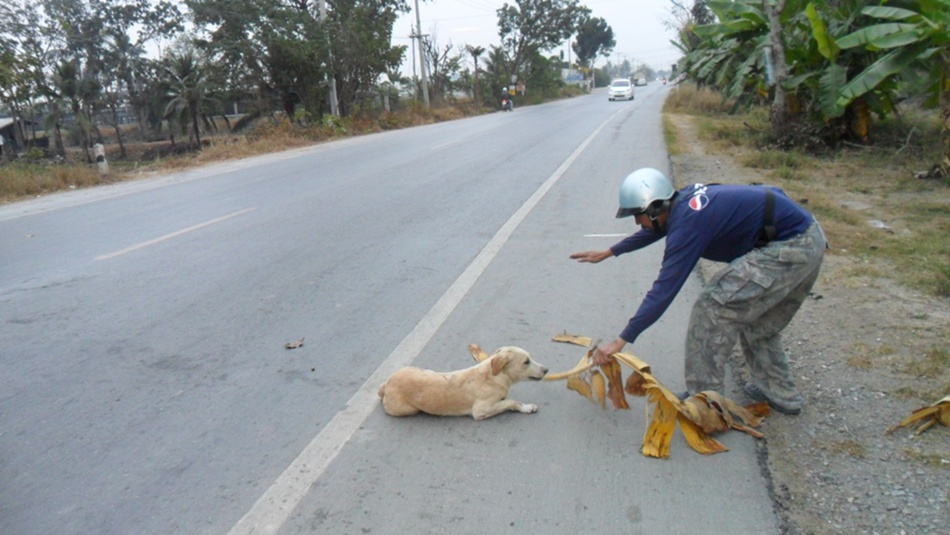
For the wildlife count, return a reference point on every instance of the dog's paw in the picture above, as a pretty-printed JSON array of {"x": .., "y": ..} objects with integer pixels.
[{"x": 528, "y": 408}]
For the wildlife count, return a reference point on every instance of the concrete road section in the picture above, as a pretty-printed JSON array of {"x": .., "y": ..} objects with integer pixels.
[{"x": 146, "y": 387}]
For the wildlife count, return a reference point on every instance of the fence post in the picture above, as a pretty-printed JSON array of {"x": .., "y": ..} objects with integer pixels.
[{"x": 100, "y": 152}]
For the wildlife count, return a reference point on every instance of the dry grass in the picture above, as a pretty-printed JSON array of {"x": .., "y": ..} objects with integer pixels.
[
  {"x": 671, "y": 138},
  {"x": 939, "y": 460},
  {"x": 28, "y": 179},
  {"x": 847, "y": 447}
]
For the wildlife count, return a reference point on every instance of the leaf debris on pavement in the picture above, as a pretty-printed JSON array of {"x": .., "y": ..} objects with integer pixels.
[{"x": 699, "y": 416}]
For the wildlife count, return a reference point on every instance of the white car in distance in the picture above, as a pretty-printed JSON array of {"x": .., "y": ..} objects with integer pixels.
[{"x": 620, "y": 89}]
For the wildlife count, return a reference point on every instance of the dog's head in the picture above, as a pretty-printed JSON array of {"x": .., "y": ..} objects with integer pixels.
[{"x": 517, "y": 364}]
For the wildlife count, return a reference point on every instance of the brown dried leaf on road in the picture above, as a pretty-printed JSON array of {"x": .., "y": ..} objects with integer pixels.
[
  {"x": 477, "y": 352},
  {"x": 698, "y": 416},
  {"x": 583, "y": 341},
  {"x": 931, "y": 414},
  {"x": 599, "y": 385},
  {"x": 615, "y": 384}
]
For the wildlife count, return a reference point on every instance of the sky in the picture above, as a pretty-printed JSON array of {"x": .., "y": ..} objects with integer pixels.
[{"x": 638, "y": 28}]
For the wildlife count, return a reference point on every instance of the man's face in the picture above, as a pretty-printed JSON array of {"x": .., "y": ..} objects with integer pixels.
[{"x": 644, "y": 221}]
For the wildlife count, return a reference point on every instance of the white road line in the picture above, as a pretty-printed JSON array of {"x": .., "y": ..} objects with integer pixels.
[
  {"x": 160, "y": 239},
  {"x": 446, "y": 144},
  {"x": 275, "y": 506},
  {"x": 605, "y": 235}
]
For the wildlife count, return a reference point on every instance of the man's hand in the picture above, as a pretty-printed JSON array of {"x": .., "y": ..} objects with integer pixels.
[
  {"x": 602, "y": 354},
  {"x": 592, "y": 257}
]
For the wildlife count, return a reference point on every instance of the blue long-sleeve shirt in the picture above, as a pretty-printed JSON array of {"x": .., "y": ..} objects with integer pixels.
[{"x": 717, "y": 222}]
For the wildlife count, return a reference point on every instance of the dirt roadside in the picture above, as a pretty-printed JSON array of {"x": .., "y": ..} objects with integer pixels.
[{"x": 854, "y": 348}]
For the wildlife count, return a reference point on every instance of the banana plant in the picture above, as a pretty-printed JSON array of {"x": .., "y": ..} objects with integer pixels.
[
  {"x": 905, "y": 40},
  {"x": 829, "y": 67},
  {"x": 729, "y": 56}
]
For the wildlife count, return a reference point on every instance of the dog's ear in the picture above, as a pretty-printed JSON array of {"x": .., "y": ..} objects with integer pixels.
[{"x": 499, "y": 360}]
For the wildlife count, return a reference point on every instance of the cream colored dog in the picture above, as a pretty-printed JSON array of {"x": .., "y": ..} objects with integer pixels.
[{"x": 480, "y": 391}]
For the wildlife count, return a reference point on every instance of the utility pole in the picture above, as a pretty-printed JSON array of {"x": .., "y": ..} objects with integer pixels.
[
  {"x": 422, "y": 61},
  {"x": 412, "y": 35},
  {"x": 331, "y": 83}
]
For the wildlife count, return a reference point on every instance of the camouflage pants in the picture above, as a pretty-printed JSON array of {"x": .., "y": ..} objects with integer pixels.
[{"x": 751, "y": 301}]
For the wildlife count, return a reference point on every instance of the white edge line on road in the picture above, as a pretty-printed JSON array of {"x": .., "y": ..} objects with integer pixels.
[
  {"x": 160, "y": 239},
  {"x": 446, "y": 144},
  {"x": 605, "y": 235},
  {"x": 275, "y": 506}
]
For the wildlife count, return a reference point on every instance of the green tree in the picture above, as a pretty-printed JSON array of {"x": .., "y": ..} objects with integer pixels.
[
  {"x": 497, "y": 66},
  {"x": 530, "y": 27},
  {"x": 270, "y": 49},
  {"x": 78, "y": 88},
  {"x": 594, "y": 38},
  {"x": 24, "y": 55},
  {"x": 127, "y": 73},
  {"x": 188, "y": 90},
  {"x": 360, "y": 33}
]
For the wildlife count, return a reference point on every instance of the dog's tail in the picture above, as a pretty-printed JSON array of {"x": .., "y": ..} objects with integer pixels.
[{"x": 382, "y": 390}]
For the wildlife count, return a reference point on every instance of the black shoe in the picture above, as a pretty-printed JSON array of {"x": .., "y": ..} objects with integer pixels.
[{"x": 791, "y": 407}]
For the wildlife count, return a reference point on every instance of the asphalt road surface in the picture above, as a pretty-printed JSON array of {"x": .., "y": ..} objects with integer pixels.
[{"x": 145, "y": 387}]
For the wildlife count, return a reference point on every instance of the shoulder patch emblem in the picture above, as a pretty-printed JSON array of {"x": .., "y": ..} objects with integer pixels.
[{"x": 698, "y": 202}]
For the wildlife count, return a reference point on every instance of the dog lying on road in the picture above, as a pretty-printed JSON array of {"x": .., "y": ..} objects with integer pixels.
[{"x": 480, "y": 391}]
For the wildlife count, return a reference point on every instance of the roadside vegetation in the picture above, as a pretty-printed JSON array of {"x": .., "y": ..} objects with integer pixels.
[{"x": 827, "y": 73}]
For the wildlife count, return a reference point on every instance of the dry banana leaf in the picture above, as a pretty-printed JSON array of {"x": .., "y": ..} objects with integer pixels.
[
  {"x": 698, "y": 439},
  {"x": 582, "y": 366},
  {"x": 707, "y": 416},
  {"x": 615, "y": 385},
  {"x": 583, "y": 341},
  {"x": 746, "y": 415},
  {"x": 635, "y": 385},
  {"x": 599, "y": 385},
  {"x": 930, "y": 415},
  {"x": 656, "y": 439},
  {"x": 698, "y": 417},
  {"x": 477, "y": 352},
  {"x": 579, "y": 384},
  {"x": 759, "y": 409},
  {"x": 632, "y": 362},
  {"x": 747, "y": 430}
]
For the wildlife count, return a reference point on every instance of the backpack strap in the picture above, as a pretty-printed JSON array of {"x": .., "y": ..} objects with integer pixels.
[{"x": 768, "y": 231}]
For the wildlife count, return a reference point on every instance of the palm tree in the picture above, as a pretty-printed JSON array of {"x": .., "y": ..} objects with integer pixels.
[
  {"x": 496, "y": 64},
  {"x": 188, "y": 89},
  {"x": 130, "y": 74},
  {"x": 77, "y": 88},
  {"x": 475, "y": 51}
]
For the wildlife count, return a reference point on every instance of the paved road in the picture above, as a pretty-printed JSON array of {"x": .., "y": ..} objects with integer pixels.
[{"x": 145, "y": 387}]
